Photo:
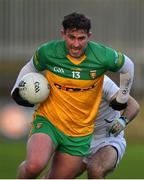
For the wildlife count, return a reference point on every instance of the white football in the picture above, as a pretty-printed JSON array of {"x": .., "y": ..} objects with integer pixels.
[{"x": 34, "y": 88}]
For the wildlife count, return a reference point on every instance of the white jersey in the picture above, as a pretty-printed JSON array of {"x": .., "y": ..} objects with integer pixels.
[
  {"x": 105, "y": 111},
  {"x": 101, "y": 137}
]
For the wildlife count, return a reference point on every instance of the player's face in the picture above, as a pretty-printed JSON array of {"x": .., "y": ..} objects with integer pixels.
[{"x": 76, "y": 41}]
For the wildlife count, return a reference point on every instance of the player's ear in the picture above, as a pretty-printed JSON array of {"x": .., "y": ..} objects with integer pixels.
[
  {"x": 89, "y": 34},
  {"x": 62, "y": 32}
]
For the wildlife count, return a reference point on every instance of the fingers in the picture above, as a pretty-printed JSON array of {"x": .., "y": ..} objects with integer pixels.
[{"x": 115, "y": 128}]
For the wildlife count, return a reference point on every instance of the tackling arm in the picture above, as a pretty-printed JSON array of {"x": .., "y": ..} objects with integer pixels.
[
  {"x": 126, "y": 80},
  {"x": 132, "y": 109},
  {"x": 119, "y": 124}
]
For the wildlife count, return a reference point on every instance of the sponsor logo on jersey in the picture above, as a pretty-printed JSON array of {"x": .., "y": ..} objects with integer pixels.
[
  {"x": 93, "y": 74},
  {"x": 66, "y": 88},
  {"x": 58, "y": 70}
]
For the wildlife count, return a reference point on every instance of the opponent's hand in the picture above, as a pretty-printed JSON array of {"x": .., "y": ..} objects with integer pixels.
[
  {"x": 117, "y": 125},
  {"x": 19, "y": 100},
  {"x": 117, "y": 106}
]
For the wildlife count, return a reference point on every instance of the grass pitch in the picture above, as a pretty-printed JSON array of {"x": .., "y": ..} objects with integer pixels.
[{"x": 131, "y": 166}]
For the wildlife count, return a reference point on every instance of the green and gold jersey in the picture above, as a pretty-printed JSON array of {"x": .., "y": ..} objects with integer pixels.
[{"x": 76, "y": 85}]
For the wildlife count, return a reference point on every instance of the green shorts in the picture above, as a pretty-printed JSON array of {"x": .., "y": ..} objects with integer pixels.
[{"x": 77, "y": 146}]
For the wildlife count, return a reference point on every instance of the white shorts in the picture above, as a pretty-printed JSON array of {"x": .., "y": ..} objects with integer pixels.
[{"x": 119, "y": 143}]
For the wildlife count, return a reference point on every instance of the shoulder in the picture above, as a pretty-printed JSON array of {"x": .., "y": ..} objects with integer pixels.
[
  {"x": 96, "y": 47},
  {"x": 109, "y": 88},
  {"x": 52, "y": 45},
  {"x": 100, "y": 46},
  {"x": 102, "y": 51},
  {"x": 55, "y": 48},
  {"x": 111, "y": 58}
]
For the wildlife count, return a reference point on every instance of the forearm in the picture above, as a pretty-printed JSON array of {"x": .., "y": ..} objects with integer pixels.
[
  {"x": 132, "y": 109},
  {"x": 126, "y": 80},
  {"x": 29, "y": 67}
]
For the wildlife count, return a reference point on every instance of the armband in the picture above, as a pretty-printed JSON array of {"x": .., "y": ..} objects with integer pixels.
[{"x": 117, "y": 106}]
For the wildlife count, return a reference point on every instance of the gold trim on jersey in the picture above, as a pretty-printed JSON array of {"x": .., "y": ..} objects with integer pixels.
[
  {"x": 36, "y": 58},
  {"x": 120, "y": 58},
  {"x": 75, "y": 60}
]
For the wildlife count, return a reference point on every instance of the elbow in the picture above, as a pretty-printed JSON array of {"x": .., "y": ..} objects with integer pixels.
[
  {"x": 137, "y": 108},
  {"x": 133, "y": 107}
]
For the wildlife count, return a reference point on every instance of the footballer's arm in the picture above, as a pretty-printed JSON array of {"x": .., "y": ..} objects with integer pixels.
[
  {"x": 119, "y": 124},
  {"x": 29, "y": 67},
  {"x": 131, "y": 110},
  {"x": 126, "y": 80}
]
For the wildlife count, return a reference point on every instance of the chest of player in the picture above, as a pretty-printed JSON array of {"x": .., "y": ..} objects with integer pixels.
[{"x": 88, "y": 69}]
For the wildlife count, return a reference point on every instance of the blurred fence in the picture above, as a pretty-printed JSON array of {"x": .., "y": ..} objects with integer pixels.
[{"x": 25, "y": 24}]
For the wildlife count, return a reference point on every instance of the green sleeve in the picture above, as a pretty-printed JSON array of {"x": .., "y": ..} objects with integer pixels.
[
  {"x": 39, "y": 58},
  {"x": 114, "y": 60}
]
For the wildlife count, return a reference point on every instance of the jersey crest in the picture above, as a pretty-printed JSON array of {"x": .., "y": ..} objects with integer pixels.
[{"x": 93, "y": 74}]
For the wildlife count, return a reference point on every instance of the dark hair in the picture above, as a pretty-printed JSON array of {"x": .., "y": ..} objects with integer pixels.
[{"x": 76, "y": 21}]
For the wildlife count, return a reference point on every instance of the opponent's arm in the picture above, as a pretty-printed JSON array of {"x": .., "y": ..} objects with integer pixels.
[
  {"x": 29, "y": 67},
  {"x": 119, "y": 124},
  {"x": 126, "y": 80},
  {"x": 132, "y": 109}
]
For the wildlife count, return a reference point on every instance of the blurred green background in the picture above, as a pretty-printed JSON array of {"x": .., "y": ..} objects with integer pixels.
[
  {"x": 131, "y": 166},
  {"x": 24, "y": 25}
]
